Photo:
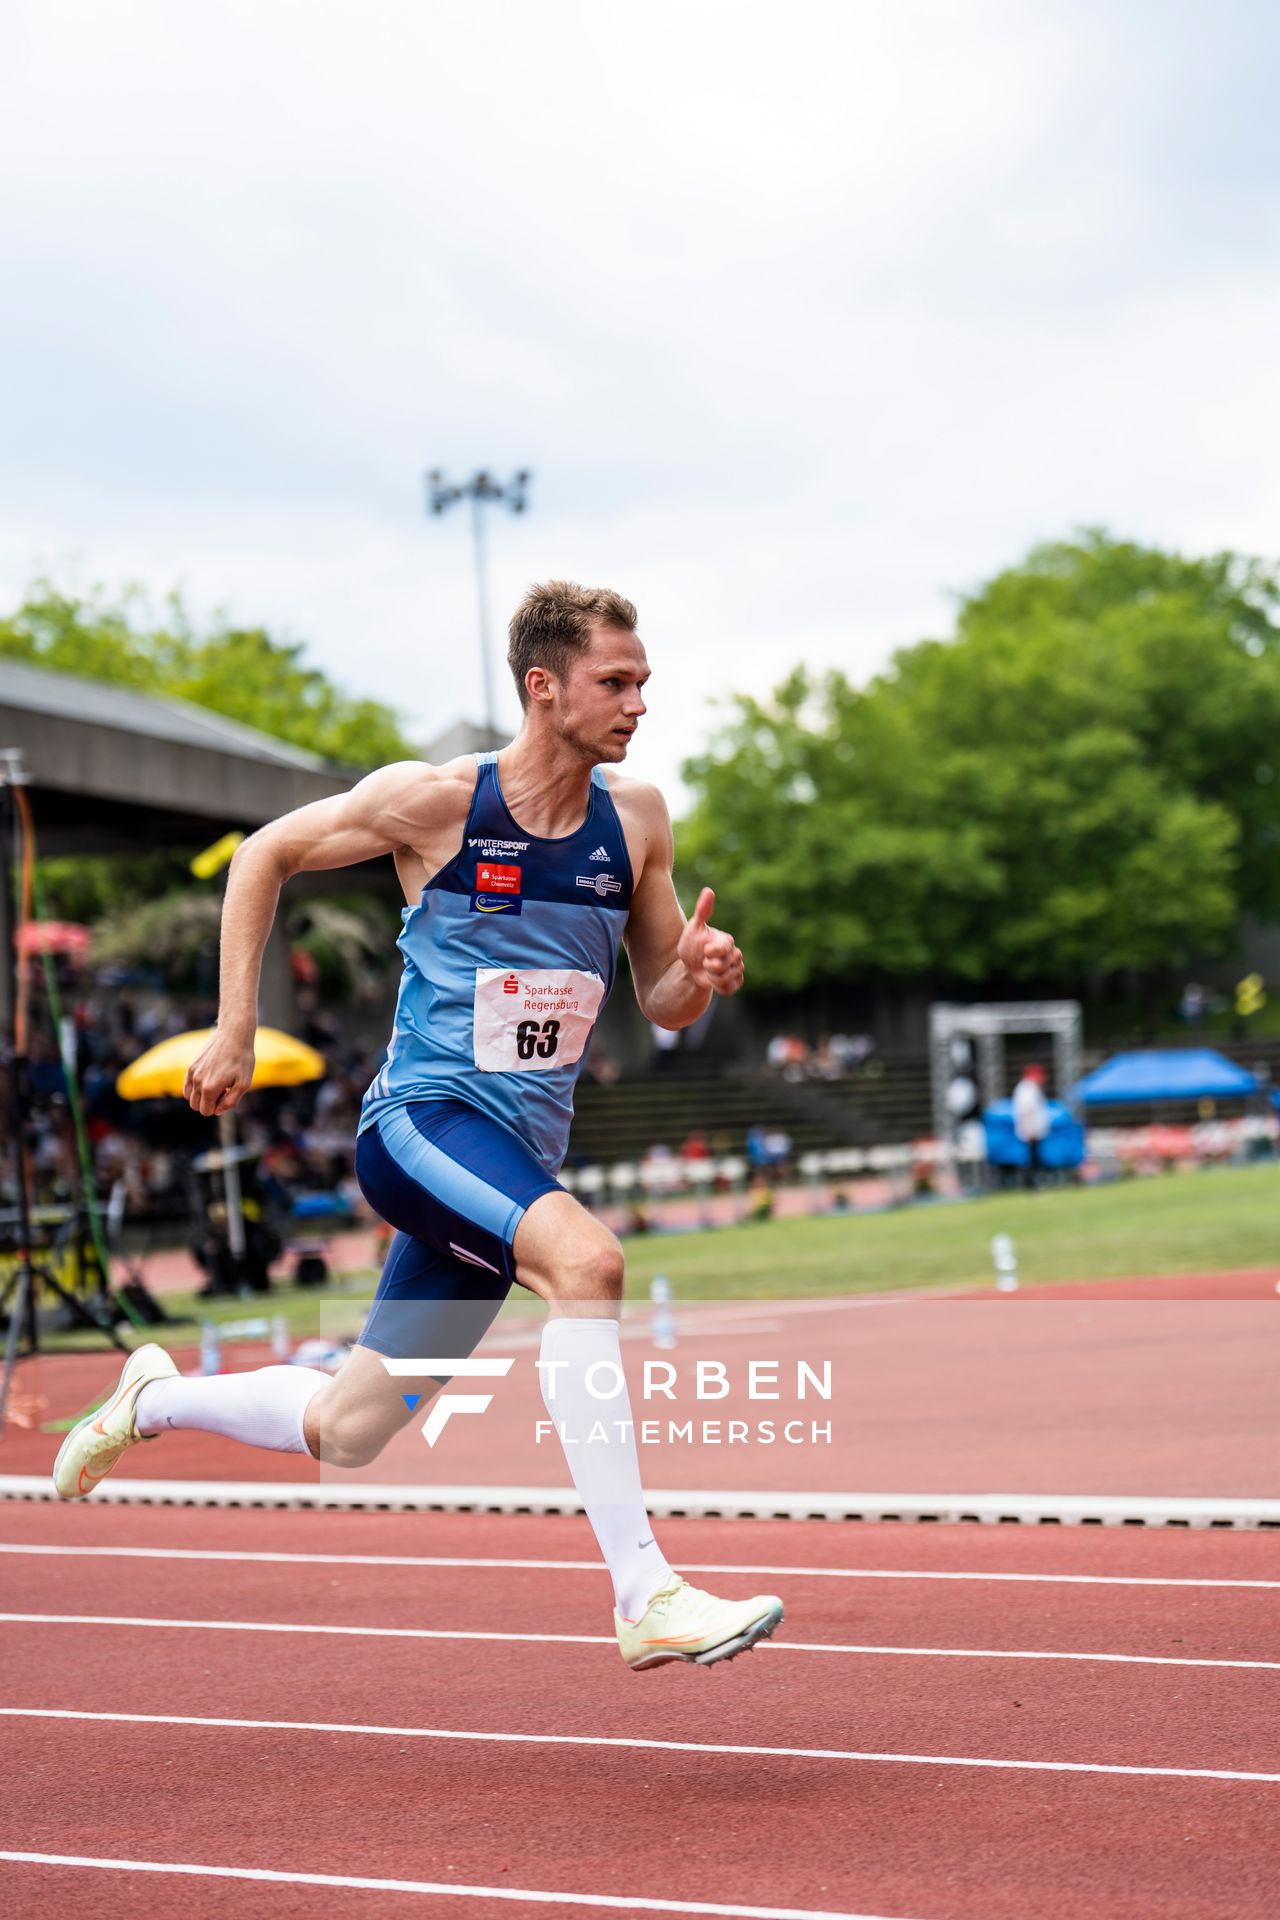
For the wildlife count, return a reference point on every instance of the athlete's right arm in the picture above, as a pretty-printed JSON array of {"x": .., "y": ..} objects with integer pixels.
[{"x": 380, "y": 814}]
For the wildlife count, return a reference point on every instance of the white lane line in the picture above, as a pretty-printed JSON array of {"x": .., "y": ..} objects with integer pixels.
[
  {"x": 595, "y": 1566},
  {"x": 607, "y": 1640},
  {"x": 630, "y": 1903},
  {"x": 636, "y": 1745},
  {"x": 290, "y": 1626}
]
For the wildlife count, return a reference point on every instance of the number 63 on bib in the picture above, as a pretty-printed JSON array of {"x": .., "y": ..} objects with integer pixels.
[{"x": 529, "y": 1022}]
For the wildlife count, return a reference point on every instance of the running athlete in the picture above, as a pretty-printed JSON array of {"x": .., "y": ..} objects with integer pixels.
[{"x": 523, "y": 871}]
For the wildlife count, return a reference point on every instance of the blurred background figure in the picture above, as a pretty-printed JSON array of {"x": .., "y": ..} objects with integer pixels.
[
  {"x": 1193, "y": 1005},
  {"x": 1031, "y": 1118}
]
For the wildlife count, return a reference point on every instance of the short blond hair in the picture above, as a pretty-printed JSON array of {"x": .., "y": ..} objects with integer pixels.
[{"x": 553, "y": 623}]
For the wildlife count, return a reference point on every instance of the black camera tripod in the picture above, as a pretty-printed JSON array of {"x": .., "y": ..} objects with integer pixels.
[{"x": 19, "y": 1293}]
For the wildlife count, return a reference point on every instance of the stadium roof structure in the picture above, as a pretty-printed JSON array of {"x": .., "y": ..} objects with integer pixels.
[
  {"x": 1165, "y": 1073},
  {"x": 110, "y": 770}
]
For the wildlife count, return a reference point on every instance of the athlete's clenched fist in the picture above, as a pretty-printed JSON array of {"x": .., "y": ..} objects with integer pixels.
[
  {"x": 220, "y": 1075},
  {"x": 709, "y": 956}
]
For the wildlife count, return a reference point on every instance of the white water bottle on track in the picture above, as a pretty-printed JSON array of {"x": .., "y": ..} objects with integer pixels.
[
  {"x": 210, "y": 1351},
  {"x": 664, "y": 1320},
  {"x": 1006, "y": 1259}
]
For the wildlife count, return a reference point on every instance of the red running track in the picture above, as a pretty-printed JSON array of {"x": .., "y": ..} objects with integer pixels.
[
  {"x": 885, "y": 1833},
  {"x": 1020, "y": 1395}
]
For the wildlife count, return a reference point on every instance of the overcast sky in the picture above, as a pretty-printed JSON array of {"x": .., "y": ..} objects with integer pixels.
[{"x": 804, "y": 315}]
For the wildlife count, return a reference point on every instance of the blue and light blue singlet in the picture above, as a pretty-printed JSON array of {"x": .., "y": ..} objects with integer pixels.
[{"x": 508, "y": 958}]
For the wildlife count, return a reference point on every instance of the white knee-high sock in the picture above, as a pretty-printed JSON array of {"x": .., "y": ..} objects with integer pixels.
[
  {"x": 264, "y": 1408},
  {"x": 605, "y": 1468}
]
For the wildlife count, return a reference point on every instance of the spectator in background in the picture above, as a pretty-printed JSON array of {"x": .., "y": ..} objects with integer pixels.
[
  {"x": 767, "y": 1147},
  {"x": 660, "y": 1169},
  {"x": 852, "y": 1050},
  {"x": 824, "y": 1062},
  {"x": 602, "y": 1067},
  {"x": 1031, "y": 1118},
  {"x": 1193, "y": 1005},
  {"x": 788, "y": 1055},
  {"x": 665, "y": 1042},
  {"x": 778, "y": 1146}
]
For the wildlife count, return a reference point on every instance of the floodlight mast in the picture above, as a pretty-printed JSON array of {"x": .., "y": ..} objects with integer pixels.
[{"x": 479, "y": 489}]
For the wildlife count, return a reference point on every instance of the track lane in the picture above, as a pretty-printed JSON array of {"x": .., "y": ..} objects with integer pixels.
[
  {"x": 317, "y": 1632},
  {"x": 1207, "y": 1623},
  {"x": 1025, "y": 1394},
  {"x": 929, "y": 1843},
  {"x": 319, "y": 1887},
  {"x": 1029, "y": 1711},
  {"x": 941, "y": 1844}
]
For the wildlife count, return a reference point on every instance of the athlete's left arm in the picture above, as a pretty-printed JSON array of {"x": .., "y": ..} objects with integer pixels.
[{"x": 676, "y": 964}]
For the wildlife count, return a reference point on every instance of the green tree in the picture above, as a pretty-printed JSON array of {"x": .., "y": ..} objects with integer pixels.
[
  {"x": 1082, "y": 780},
  {"x": 239, "y": 671},
  {"x": 175, "y": 937}
]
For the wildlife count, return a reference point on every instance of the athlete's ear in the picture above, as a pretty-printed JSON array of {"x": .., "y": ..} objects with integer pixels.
[{"x": 538, "y": 685}]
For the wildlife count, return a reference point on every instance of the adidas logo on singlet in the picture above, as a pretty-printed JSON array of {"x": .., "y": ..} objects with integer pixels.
[{"x": 601, "y": 853}]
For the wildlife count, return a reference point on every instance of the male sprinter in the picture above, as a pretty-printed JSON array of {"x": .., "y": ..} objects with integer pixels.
[{"x": 523, "y": 872}]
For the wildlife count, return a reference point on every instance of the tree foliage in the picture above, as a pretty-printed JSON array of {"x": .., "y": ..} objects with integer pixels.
[
  {"x": 1086, "y": 778},
  {"x": 239, "y": 671},
  {"x": 174, "y": 937}
]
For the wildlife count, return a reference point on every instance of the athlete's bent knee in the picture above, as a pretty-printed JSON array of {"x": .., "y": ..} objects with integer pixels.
[
  {"x": 592, "y": 1273},
  {"x": 349, "y": 1439}
]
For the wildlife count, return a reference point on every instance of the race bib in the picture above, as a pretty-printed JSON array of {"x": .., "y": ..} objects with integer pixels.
[{"x": 529, "y": 1022}]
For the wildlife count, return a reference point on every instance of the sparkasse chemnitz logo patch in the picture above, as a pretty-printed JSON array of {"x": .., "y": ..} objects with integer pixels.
[{"x": 494, "y": 876}]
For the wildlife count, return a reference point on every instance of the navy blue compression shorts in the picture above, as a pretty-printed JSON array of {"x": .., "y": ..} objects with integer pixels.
[{"x": 455, "y": 1184}]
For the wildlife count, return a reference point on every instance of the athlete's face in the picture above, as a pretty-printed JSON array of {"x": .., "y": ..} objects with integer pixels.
[{"x": 601, "y": 699}]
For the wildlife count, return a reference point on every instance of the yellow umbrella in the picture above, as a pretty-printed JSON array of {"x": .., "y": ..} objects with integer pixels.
[{"x": 278, "y": 1061}]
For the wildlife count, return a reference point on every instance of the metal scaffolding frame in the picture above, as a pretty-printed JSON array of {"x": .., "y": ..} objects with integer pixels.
[{"x": 987, "y": 1025}]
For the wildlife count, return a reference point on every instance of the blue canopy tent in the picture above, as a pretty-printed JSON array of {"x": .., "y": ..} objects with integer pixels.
[
  {"x": 1165, "y": 1073},
  {"x": 1062, "y": 1146}
]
